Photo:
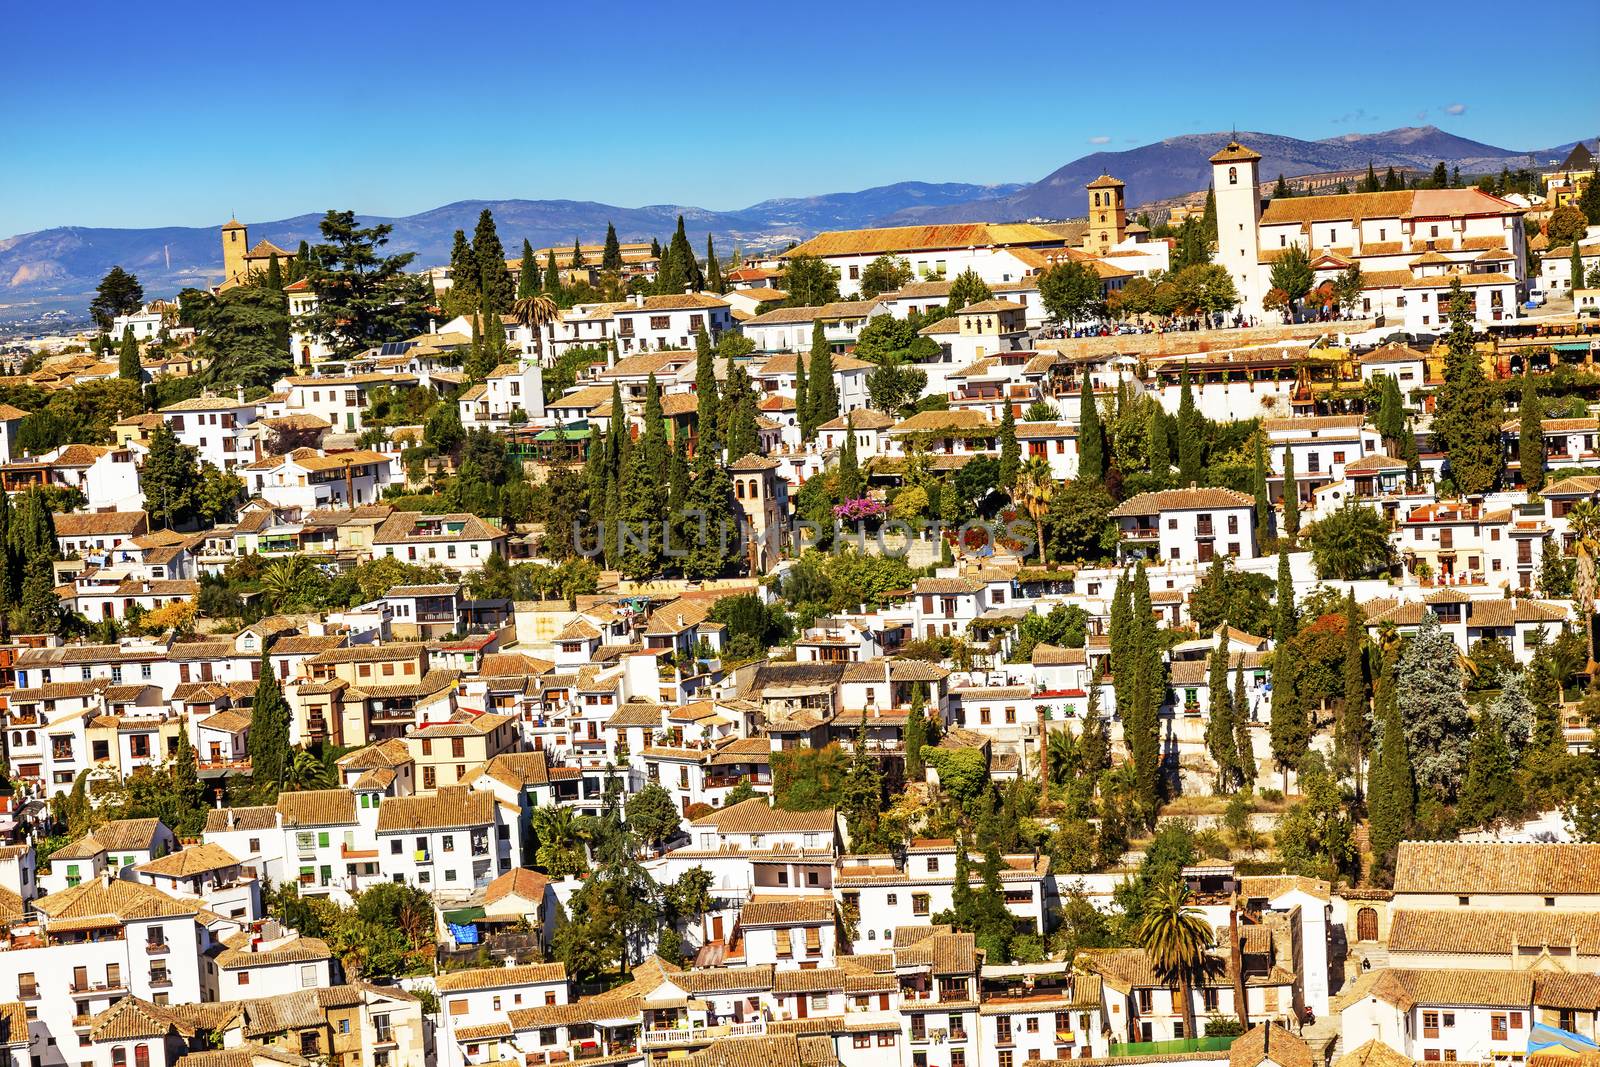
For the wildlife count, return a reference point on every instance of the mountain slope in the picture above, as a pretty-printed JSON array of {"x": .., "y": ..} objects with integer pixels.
[
  {"x": 1181, "y": 165},
  {"x": 62, "y": 264}
]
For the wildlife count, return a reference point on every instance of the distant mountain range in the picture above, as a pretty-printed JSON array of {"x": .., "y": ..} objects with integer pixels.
[{"x": 60, "y": 266}]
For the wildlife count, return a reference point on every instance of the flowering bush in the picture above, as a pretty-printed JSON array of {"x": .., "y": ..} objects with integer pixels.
[{"x": 856, "y": 510}]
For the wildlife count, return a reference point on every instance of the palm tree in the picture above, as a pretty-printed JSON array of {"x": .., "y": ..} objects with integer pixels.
[
  {"x": 534, "y": 312},
  {"x": 1061, "y": 754},
  {"x": 305, "y": 771},
  {"x": 1035, "y": 488},
  {"x": 281, "y": 580},
  {"x": 561, "y": 837},
  {"x": 1583, "y": 520},
  {"x": 1178, "y": 940}
]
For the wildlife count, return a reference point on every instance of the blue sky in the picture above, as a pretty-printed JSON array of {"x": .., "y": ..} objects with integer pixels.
[{"x": 182, "y": 114}]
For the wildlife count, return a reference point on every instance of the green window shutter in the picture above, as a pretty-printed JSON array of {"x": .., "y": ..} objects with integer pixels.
[{"x": 322, "y": 839}]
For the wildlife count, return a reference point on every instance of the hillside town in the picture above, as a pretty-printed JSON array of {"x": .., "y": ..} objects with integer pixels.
[{"x": 1126, "y": 639}]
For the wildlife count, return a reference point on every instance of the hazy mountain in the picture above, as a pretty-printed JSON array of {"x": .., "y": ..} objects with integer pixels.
[
  {"x": 61, "y": 265},
  {"x": 1181, "y": 165}
]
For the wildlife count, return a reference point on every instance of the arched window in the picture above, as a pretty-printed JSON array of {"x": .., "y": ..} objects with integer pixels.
[
  {"x": 1233, "y": 175},
  {"x": 33, "y": 738},
  {"x": 1096, "y": 199},
  {"x": 738, "y": 488}
]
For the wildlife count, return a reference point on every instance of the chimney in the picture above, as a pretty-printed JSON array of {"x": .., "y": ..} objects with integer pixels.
[
  {"x": 238, "y": 392},
  {"x": 433, "y": 326},
  {"x": 637, "y": 299}
]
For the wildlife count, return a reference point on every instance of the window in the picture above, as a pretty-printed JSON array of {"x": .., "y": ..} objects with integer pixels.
[
  {"x": 892, "y": 899},
  {"x": 886, "y": 1040},
  {"x": 1233, "y": 179},
  {"x": 244, "y": 977},
  {"x": 861, "y": 1041},
  {"x": 919, "y": 904},
  {"x": 1004, "y": 1059},
  {"x": 819, "y": 1002}
]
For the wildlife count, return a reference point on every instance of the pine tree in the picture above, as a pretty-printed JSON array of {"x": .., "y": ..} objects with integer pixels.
[
  {"x": 1010, "y": 451},
  {"x": 1243, "y": 743},
  {"x": 822, "y": 390},
  {"x": 1281, "y": 191},
  {"x": 714, "y": 281},
  {"x": 611, "y": 255},
  {"x": 1091, "y": 443},
  {"x": 1530, "y": 440},
  {"x": 705, "y": 389},
  {"x": 527, "y": 272},
  {"x": 1291, "y": 497},
  {"x": 850, "y": 481},
  {"x": 802, "y": 401},
  {"x": 1258, "y": 485},
  {"x": 1284, "y": 622},
  {"x": 129, "y": 369},
  {"x": 269, "y": 732},
  {"x": 1352, "y": 735},
  {"x": 1191, "y": 431},
  {"x": 1434, "y": 709},
  {"x": 1467, "y": 418},
  {"x": 1220, "y": 741}
]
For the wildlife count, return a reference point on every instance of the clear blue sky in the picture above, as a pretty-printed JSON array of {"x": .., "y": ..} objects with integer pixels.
[{"x": 183, "y": 113}]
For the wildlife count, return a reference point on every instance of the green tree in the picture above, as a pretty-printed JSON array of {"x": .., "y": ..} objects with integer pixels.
[
  {"x": 1071, "y": 292},
  {"x": 1369, "y": 184},
  {"x": 1191, "y": 434},
  {"x": 1315, "y": 838},
  {"x": 128, "y": 366},
  {"x": 1010, "y": 450},
  {"x": 1530, "y": 440},
  {"x": 861, "y": 800},
  {"x": 1434, "y": 709},
  {"x": 1091, "y": 442},
  {"x": 364, "y": 298},
  {"x": 1220, "y": 740},
  {"x": 1243, "y": 742},
  {"x": 169, "y": 478},
  {"x": 809, "y": 281},
  {"x": 705, "y": 391},
  {"x": 802, "y": 401},
  {"x": 1292, "y": 275},
  {"x": 552, "y": 275},
  {"x": 1351, "y": 543},
  {"x": 714, "y": 546},
  {"x": 1079, "y": 525},
  {"x": 1566, "y": 225},
  {"x": 1291, "y": 497},
  {"x": 611, "y": 254},
  {"x": 885, "y": 274},
  {"x": 714, "y": 282},
  {"x": 968, "y": 288},
  {"x": 1352, "y": 735},
  {"x": 1290, "y": 726},
  {"x": 851, "y": 484},
  {"x": 269, "y": 731},
  {"x": 463, "y": 297},
  {"x": 822, "y": 397},
  {"x": 527, "y": 272},
  {"x": 243, "y": 336},
  {"x": 1258, "y": 485},
  {"x": 653, "y": 815},
  {"x": 916, "y": 734},
  {"x": 1490, "y": 794},
  {"x": 1467, "y": 415},
  {"x": 1285, "y": 625},
  {"x": 119, "y": 293}
]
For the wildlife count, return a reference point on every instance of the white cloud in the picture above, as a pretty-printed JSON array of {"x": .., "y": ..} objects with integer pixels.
[
  {"x": 1456, "y": 109},
  {"x": 1099, "y": 140}
]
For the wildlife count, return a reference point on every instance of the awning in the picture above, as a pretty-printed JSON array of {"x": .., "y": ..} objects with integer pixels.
[{"x": 463, "y": 915}]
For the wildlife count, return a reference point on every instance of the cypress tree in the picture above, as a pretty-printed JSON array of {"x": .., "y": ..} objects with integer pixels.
[
  {"x": 298, "y": 263},
  {"x": 269, "y": 732},
  {"x": 1392, "y": 182},
  {"x": 1091, "y": 444},
  {"x": 739, "y": 414},
  {"x": 1391, "y": 417},
  {"x": 611, "y": 255},
  {"x": 129, "y": 369},
  {"x": 850, "y": 483},
  {"x": 1291, "y": 497},
  {"x": 527, "y": 272},
  {"x": 1369, "y": 184},
  {"x": 274, "y": 279},
  {"x": 1530, "y": 440},
  {"x": 1577, "y": 265},
  {"x": 577, "y": 254},
  {"x": 552, "y": 274},
  {"x": 639, "y": 547},
  {"x": 1258, "y": 485},
  {"x": 1391, "y": 798},
  {"x": 802, "y": 405},
  {"x": 1290, "y": 727},
  {"x": 494, "y": 279},
  {"x": 1148, "y": 690},
  {"x": 1191, "y": 432},
  {"x": 1010, "y": 451},
  {"x": 715, "y": 546},
  {"x": 1490, "y": 793},
  {"x": 653, "y": 441},
  {"x": 1351, "y": 734},
  {"x": 1208, "y": 220},
  {"x": 1159, "y": 448},
  {"x": 822, "y": 390},
  {"x": 705, "y": 390},
  {"x": 1284, "y": 627},
  {"x": 714, "y": 281},
  {"x": 1243, "y": 744},
  {"x": 1121, "y": 633},
  {"x": 678, "y": 476},
  {"x": 463, "y": 299},
  {"x": 916, "y": 734},
  {"x": 1467, "y": 418},
  {"x": 1220, "y": 741}
]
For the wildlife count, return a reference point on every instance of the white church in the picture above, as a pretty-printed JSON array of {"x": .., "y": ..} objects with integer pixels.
[{"x": 1410, "y": 245}]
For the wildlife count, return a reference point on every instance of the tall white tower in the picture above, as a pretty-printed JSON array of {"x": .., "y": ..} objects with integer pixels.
[{"x": 1236, "y": 180}]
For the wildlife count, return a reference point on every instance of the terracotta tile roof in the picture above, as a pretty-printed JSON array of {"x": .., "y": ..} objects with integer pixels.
[
  {"x": 1492, "y": 931},
  {"x": 754, "y": 816},
  {"x": 517, "y": 882},
  {"x": 446, "y": 809},
  {"x": 1048, "y": 655},
  {"x": 238, "y": 955},
  {"x": 1155, "y": 503},
  {"x": 943, "y": 952},
  {"x": 402, "y": 527},
  {"x": 121, "y": 900},
  {"x": 674, "y": 302},
  {"x": 1269, "y": 1043},
  {"x": 501, "y": 977},
  {"x": 1374, "y": 1053},
  {"x": 1459, "y": 987},
  {"x": 1272, "y": 886},
  {"x": 1234, "y": 152},
  {"x": 871, "y": 242},
  {"x": 263, "y": 817},
  {"x": 317, "y": 807},
  {"x": 196, "y": 859},
  {"x": 791, "y": 911},
  {"x": 100, "y": 523},
  {"x": 519, "y": 769},
  {"x": 373, "y": 653}
]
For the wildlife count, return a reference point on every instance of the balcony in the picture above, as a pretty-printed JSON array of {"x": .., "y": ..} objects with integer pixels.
[
  {"x": 160, "y": 980},
  {"x": 1167, "y": 1048},
  {"x": 690, "y": 1035},
  {"x": 156, "y": 948},
  {"x": 98, "y": 989},
  {"x": 348, "y": 853}
]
